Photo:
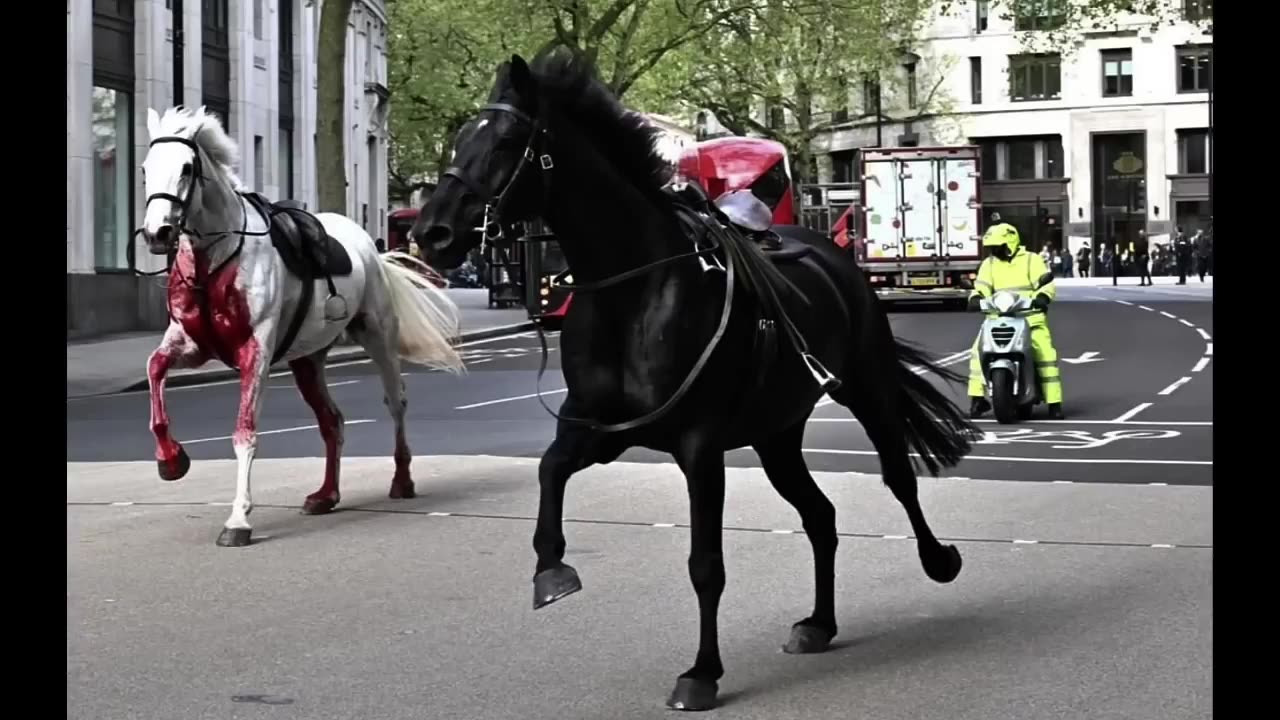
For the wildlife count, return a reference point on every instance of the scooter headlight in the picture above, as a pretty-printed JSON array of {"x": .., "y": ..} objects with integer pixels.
[{"x": 1004, "y": 301}]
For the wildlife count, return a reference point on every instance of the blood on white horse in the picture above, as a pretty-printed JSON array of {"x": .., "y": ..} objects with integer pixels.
[{"x": 230, "y": 297}]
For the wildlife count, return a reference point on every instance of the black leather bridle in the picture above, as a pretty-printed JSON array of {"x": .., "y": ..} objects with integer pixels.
[{"x": 535, "y": 154}]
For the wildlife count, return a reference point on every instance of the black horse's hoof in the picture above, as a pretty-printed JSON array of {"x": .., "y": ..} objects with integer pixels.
[
  {"x": 234, "y": 537},
  {"x": 553, "y": 584},
  {"x": 942, "y": 565},
  {"x": 693, "y": 694},
  {"x": 176, "y": 468},
  {"x": 807, "y": 639}
]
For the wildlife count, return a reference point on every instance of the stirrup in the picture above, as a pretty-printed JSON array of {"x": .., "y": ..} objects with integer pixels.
[
  {"x": 335, "y": 308},
  {"x": 821, "y": 375}
]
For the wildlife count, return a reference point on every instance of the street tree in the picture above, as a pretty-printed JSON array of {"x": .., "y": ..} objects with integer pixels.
[
  {"x": 331, "y": 58},
  {"x": 786, "y": 73},
  {"x": 1061, "y": 25}
]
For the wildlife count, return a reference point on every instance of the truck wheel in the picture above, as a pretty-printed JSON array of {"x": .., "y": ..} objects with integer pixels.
[{"x": 1002, "y": 400}]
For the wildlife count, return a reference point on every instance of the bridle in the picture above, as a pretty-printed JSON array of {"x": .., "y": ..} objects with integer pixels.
[
  {"x": 534, "y": 155},
  {"x": 181, "y": 227}
]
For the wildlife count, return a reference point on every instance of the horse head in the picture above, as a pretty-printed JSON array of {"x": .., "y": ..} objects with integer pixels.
[
  {"x": 186, "y": 176},
  {"x": 496, "y": 157}
]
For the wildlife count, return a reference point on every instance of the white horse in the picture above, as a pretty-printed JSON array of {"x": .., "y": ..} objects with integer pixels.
[{"x": 231, "y": 297}]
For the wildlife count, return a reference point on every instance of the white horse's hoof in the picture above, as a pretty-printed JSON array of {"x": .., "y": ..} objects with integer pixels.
[{"x": 234, "y": 537}]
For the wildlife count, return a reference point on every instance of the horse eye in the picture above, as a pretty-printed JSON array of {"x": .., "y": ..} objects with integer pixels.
[{"x": 186, "y": 170}]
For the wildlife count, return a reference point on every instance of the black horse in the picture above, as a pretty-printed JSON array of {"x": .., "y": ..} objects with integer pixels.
[{"x": 554, "y": 143}]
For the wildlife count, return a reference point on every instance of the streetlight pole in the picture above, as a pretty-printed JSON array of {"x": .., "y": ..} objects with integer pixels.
[{"x": 1210, "y": 168}]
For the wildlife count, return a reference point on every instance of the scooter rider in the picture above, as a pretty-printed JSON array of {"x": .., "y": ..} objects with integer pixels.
[{"x": 1010, "y": 267}]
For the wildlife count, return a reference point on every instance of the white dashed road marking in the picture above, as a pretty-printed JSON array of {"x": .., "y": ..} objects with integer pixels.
[
  {"x": 275, "y": 432},
  {"x": 1176, "y": 384},
  {"x": 1130, "y": 415},
  {"x": 1201, "y": 364}
]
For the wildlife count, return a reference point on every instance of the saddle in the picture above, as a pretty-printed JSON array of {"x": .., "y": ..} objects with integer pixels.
[
  {"x": 309, "y": 253},
  {"x": 305, "y": 248}
]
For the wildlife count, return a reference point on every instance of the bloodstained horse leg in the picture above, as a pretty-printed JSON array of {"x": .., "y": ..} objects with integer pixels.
[
  {"x": 255, "y": 366},
  {"x": 703, "y": 466},
  {"x": 783, "y": 463},
  {"x": 308, "y": 374},
  {"x": 176, "y": 350}
]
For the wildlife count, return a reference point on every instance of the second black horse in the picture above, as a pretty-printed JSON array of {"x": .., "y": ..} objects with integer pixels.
[{"x": 653, "y": 358}]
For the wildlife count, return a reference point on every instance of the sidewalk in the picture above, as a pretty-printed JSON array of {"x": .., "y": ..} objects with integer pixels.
[
  {"x": 116, "y": 363},
  {"x": 1131, "y": 281}
]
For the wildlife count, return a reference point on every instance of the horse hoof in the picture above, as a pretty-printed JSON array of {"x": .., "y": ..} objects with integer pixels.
[
  {"x": 553, "y": 584},
  {"x": 943, "y": 564},
  {"x": 234, "y": 537},
  {"x": 693, "y": 694},
  {"x": 319, "y": 505},
  {"x": 807, "y": 639},
  {"x": 402, "y": 490},
  {"x": 176, "y": 468}
]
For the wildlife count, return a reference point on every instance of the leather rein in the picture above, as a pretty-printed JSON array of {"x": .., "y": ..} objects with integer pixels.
[{"x": 536, "y": 154}]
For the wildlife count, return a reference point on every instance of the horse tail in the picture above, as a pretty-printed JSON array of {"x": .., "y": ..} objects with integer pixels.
[
  {"x": 428, "y": 319},
  {"x": 936, "y": 428}
]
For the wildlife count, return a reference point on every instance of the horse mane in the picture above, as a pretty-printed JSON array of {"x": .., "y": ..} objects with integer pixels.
[
  {"x": 205, "y": 129},
  {"x": 569, "y": 82}
]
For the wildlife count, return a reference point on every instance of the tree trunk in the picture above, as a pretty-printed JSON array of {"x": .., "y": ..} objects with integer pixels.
[{"x": 331, "y": 101}]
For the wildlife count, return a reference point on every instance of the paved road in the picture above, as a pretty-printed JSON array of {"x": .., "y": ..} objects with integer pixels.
[
  {"x": 1121, "y": 428},
  {"x": 1086, "y": 590}
]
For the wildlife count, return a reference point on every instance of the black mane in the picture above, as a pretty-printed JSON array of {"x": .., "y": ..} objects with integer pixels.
[{"x": 568, "y": 82}]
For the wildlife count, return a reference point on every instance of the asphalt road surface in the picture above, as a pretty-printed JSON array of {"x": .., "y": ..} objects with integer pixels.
[{"x": 1086, "y": 590}]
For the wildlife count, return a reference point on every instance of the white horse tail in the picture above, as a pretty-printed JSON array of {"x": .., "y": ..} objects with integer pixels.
[{"x": 428, "y": 319}]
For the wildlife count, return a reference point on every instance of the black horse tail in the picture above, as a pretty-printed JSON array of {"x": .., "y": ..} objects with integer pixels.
[{"x": 938, "y": 430}]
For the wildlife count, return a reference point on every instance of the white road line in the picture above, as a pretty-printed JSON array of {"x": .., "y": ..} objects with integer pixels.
[
  {"x": 295, "y": 387},
  {"x": 510, "y": 399},
  {"x": 123, "y": 503},
  {"x": 1186, "y": 322},
  {"x": 895, "y": 537},
  {"x": 1161, "y": 545},
  {"x": 1125, "y": 302},
  {"x": 1130, "y": 415},
  {"x": 1182, "y": 423},
  {"x": 1169, "y": 315},
  {"x": 480, "y": 362},
  {"x": 1158, "y": 484},
  {"x": 1144, "y": 307},
  {"x": 1005, "y": 458},
  {"x": 1204, "y": 334},
  {"x": 783, "y": 532},
  {"x": 1201, "y": 364},
  {"x": 1208, "y": 349},
  {"x": 275, "y": 432},
  {"x": 1064, "y": 482},
  {"x": 1026, "y": 542},
  {"x": 1176, "y": 384},
  {"x": 664, "y": 525}
]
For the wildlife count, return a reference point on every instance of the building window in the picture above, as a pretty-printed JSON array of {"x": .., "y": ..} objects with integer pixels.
[
  {"x": 870, "y": 96},
  {"x": 975, "y": 80},
  {"x": 983, "y": 9},
  {"x": 1194, "y": 72},
  {"x": 1197, "y": 10},
  {"x": 1193, "y": 152},
  {"x": 1117, "y": 73},
  {"x": 912, "y": 98},
  {"x": 257, "y": 19},
  {"x": 1031, "y": 157},
  {"x": 1033, "y": 15},
  {"x": 842, "y": 166},
  {"x": 1035, "y": 77},
  {"x": 285, "y": 168},
  {"x": 259, "y": 170},
  {"x": 112, "y": 177}
]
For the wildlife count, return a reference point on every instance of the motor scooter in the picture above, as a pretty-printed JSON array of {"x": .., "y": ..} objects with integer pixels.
[{"x": 1005, "y": 354}]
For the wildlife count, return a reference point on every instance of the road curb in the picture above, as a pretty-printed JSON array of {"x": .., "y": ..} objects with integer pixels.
[{"x": 336, "y": 356}]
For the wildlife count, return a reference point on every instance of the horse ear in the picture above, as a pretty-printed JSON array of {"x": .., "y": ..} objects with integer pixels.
[
  {"x": 521, "y": 76},
  {"x": 153, "y": 123}
]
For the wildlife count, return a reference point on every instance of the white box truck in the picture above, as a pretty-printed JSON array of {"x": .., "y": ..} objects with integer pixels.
[{"x": 921, "y": 210}]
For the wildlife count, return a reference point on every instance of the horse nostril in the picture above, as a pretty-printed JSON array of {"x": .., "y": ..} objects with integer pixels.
[
  {"x": 164, "y": 234},
  {"x": 436, "y": 236}
]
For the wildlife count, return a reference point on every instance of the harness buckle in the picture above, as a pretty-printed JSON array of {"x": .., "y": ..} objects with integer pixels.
[{"x": 545, "y": 160}]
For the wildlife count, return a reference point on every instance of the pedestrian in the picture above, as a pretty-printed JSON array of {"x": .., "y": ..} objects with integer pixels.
[
  {"x": 1112, "y": 254},
  {"x": 1142, "y": 258},
  {"x": 1204, "y": 251},
  {"x": 1066, "y": 262},
  {"x": 1084, "y": 258},
  {"x": 1052, "y": 259},
  {"x": 1182, "y": 254}
]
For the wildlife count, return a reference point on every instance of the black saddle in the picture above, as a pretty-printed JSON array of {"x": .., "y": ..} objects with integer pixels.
[{"x": 305, "y": 248}]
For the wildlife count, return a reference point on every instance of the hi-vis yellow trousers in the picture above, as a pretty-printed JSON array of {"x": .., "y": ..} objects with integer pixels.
[{"x": 1046, "y": 358}]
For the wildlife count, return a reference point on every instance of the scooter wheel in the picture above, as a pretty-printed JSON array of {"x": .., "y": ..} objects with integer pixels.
[{"x": 1002, "y": 400}]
